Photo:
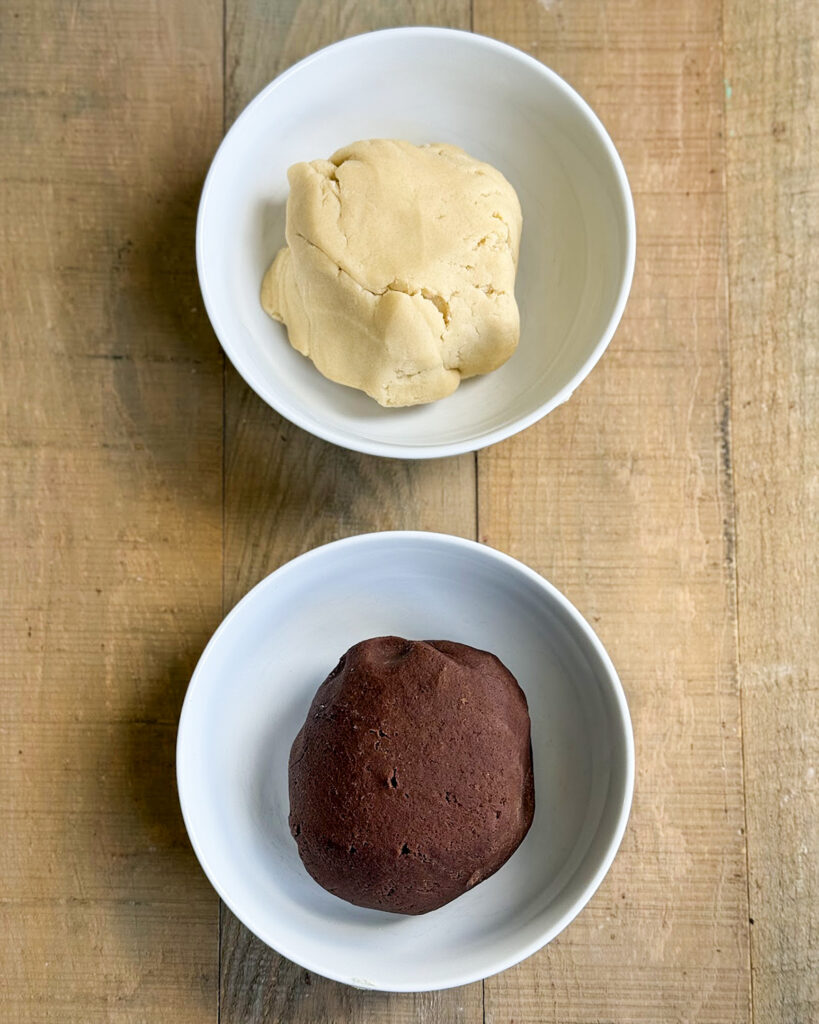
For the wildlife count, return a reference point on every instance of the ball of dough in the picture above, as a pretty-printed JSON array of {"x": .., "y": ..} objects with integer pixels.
[
  {"x": 411, "y": 779},
  {"x": 398, "y": 277}
]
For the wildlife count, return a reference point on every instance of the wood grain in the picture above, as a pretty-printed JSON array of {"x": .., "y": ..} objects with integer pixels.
[
  {"x": 623, "y": 499},
  {"x": 144, "y": 489},
  {"x": 110, "y": 500},
  {"x": 286, "y": 491},
  {"x": 771, "y": 85}
]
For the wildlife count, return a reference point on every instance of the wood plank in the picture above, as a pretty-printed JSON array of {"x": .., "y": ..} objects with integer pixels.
[
  {"x": 623, "y": 499},
  {"x": 285, "y": 492},
  {"x": 110, "y": 496},
  {"x": 771, "y": 86}
]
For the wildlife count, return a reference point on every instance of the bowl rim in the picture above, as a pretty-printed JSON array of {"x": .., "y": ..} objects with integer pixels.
[
  {"x": 346, "y": 438},
  {"x": 584, "y": 631}
]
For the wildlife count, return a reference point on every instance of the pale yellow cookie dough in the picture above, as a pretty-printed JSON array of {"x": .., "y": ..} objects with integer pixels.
[{"x": 399, "y": 271}]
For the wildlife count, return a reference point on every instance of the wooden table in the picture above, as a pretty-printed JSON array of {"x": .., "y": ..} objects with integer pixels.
[{"x": 145, "y": 489}]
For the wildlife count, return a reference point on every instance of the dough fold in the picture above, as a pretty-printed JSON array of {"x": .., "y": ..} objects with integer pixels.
[{"x": 399, "y": 271}]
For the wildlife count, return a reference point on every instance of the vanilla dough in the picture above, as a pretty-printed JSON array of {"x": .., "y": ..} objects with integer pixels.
[{"x": 399, "y": 272}]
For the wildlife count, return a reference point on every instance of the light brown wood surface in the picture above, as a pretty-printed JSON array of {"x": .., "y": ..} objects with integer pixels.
[
  {"x": 144, "y": 489},
  {"x": 625, "y": 503},
  {"x": 111, "y": 505},
  {"x": 772, "y": 120}
]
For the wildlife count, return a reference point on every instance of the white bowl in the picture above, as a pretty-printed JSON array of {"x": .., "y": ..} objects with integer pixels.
[
  {"x": 426, "y": 84},
  {"x": 249, "y": 696}
]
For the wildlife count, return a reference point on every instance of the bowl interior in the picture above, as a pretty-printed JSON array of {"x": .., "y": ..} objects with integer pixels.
[
  {"x": 426, "y": 85},
  {"x": 250, "y": 695}
]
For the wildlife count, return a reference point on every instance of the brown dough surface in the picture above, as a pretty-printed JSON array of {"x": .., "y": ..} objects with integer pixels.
[{"x": 411, "y": 779}]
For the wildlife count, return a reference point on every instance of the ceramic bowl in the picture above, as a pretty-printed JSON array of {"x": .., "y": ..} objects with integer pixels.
[
  {"x": 424, "y": 85},
  {"x": 249, "y": 696}
]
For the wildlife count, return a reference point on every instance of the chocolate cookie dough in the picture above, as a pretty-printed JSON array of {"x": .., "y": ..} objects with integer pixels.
[{"x": 411, "y": 779}]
